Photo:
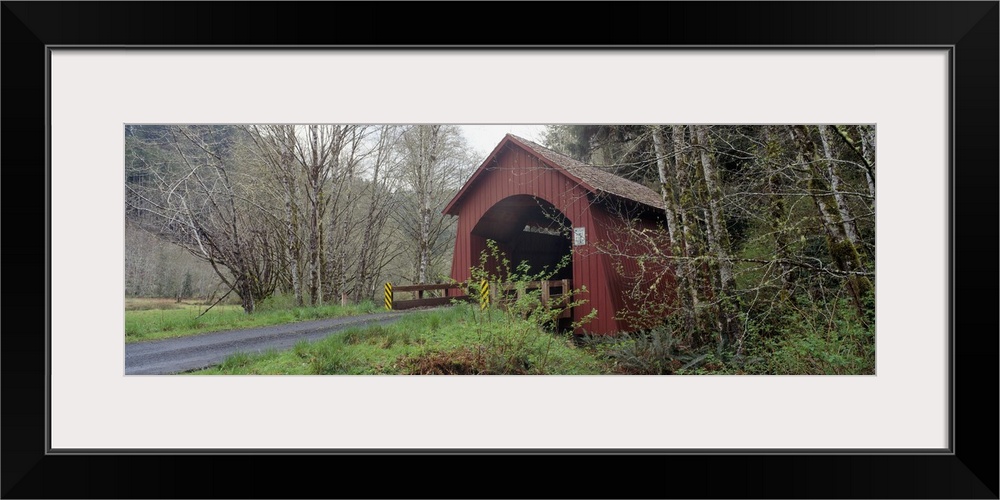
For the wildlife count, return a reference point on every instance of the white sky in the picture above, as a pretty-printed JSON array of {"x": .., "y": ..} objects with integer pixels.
[{"x": 483, "y": 138}]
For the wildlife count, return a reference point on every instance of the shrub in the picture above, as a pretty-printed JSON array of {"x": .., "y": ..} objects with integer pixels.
[
  {"x": 656, "y": 351},
  {"x": 521, "y": 341},
  {"x": 813, "y": 340}
]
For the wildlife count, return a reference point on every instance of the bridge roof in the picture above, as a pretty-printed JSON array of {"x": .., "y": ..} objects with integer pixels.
[{"x": 592, "y": 178}]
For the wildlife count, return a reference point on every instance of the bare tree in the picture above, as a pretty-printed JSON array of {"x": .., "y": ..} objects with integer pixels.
[
  {"x": 318, "y": 151},
  {"x": 200, "y": 204},
  {"x": 434, "y": 167},
  {"x": 275, "y": 146},
  {"x": 331, "y": 188},
  {"x": 371, "y": 251}
]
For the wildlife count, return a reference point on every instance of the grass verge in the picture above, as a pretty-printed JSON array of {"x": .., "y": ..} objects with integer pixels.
[
  {"x": 457, "y": 341},
  {"x": 151, "y": 319}
]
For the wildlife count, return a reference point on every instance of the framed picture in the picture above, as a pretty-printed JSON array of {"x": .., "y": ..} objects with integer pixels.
[{"x": 925, "y": 73}]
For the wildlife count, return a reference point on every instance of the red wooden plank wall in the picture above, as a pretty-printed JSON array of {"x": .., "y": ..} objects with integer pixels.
[{"x": 653, "y": 279}]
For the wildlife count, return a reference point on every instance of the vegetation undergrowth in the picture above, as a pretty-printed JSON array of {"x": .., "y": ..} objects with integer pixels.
[
  {"x": 150, "y": 319},
  {"x": 812, "y": 340},
  {"x": 799, "y": 338},
  {"x": 513, "y": 334},
  {"x": 442, "y": 341}
]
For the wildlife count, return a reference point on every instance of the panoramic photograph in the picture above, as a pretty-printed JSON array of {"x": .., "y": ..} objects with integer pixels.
[{"x": 451, "y": 249}]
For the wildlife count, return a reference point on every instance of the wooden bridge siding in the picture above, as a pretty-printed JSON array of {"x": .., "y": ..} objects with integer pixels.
[
  {"x": 615, "y": 282},
  {"x": 666, "y": 288},
  {"x": 528, "y": 176},
  {"x": 620, "y": 283}
]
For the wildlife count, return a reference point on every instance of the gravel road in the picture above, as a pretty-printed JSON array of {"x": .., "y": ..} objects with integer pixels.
[{"x": 160, "y": 357}]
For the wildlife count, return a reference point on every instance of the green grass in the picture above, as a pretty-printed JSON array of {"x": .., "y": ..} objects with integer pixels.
[
  {"x": 150, "y": 319},
  {"x": 461, "y": 340},
  {"x": 457, "y": 340}
]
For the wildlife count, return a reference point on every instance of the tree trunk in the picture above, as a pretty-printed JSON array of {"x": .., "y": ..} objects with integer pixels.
[
  {"x": 719, "y": 235},
  {"x": 291, "y": 243},
  {"x": 315, "y": 184},
  {"x": 315, "y": 288},
  {"x": 286, "y": 159},
  {"x": 843, "y": 252},
  {"x": 425, "y": 251},
  {"x": 666, "y": 187},
  {"x": 861, "y": 153},
  {"x": 246, "y": 296},
  {"x": 850, "y": 229},
  {"x": 718, "y": 240},
  {"x": 428, "y": 160},
  {"x": 689, "y": 276},
  {"x": 678, "y": 265},
  {"x": 777, "y": 213}
]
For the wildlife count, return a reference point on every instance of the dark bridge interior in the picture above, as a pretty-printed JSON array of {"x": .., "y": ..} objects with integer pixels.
[{"x": 528, "y": 229}]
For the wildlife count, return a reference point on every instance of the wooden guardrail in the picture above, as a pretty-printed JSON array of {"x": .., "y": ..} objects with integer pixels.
[
  {"x": 418, "y": 299},
  {"x": 555, "y": 293}
]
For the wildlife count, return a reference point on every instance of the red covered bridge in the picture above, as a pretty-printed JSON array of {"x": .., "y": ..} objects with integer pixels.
[{"x": 539, "y": 205}]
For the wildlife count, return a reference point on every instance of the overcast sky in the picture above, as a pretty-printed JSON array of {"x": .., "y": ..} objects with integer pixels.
[{"x": 483, "y": 138}]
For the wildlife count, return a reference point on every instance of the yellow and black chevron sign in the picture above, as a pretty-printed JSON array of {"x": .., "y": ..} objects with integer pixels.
[
  {"x": 388, "y": 295},
  {"x": 484, "y": 294}
]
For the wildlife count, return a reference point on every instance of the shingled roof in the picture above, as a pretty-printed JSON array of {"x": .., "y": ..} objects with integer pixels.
[{"x": 592, "y": 178}]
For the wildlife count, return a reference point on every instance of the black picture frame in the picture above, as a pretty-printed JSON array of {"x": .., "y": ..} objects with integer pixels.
[{"x": 969, "y": 470}]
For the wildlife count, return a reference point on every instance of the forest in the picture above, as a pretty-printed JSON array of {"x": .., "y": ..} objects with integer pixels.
[
  {"x": 768, "y": 231},
  {"x": 316, "y": 212}
]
